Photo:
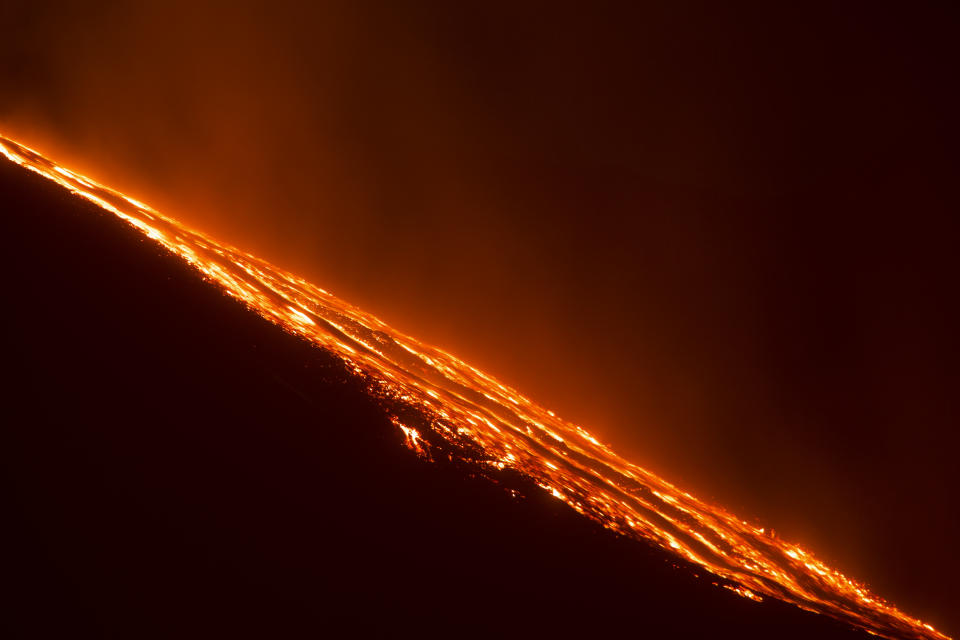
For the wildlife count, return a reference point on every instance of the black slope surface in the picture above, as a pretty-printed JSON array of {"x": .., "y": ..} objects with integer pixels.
[{"x": 179, "y": 467}]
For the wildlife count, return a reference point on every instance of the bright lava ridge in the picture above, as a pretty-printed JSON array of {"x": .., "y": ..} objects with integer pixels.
[{"x": 469, "y": 411}]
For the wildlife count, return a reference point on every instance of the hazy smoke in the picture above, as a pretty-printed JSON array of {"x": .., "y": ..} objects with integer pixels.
[{"x": 719, "y": 239}]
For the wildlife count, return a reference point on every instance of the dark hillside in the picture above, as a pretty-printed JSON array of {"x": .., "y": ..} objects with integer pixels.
[{"x": 179, "y": 467}]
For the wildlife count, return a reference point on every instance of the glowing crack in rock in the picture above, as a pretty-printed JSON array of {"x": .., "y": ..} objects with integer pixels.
[{"x": 468, "y": 412}]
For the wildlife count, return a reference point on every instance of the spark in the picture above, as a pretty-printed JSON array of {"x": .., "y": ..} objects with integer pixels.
[
  {"x": 467, "y": 410},
  {"x": 411, "y": 438},
  {"x": 744, "y": 592}
]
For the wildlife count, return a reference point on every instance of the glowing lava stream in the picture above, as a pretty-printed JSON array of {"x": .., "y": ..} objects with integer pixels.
[{"x": 469, "y": 411}]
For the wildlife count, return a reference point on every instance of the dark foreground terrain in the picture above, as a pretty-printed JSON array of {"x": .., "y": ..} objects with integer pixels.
[{"x": 178, "y": 467}]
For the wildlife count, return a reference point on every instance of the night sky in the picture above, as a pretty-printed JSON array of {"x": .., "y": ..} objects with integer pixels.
[{"x": 723, "y": 239}]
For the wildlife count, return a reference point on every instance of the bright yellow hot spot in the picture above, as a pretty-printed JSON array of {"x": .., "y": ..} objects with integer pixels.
[{"x": 466, "y": 406}]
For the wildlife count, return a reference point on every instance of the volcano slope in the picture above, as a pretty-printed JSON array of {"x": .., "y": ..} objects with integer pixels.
[{"x": 180, "y": 466}]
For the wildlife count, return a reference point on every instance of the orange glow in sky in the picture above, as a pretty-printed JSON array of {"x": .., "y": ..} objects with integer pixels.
[{"x": 469, "y": 411}]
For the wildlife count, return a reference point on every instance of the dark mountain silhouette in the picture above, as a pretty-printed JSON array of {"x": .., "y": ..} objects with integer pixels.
[{"x": 181, "y": 467}]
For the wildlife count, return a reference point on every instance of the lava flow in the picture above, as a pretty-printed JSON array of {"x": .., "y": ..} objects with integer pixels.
[{"x": 474, "y": 418}]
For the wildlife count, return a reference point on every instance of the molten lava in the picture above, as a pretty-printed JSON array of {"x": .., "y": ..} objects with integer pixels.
[{"x": 476, "y": 419}]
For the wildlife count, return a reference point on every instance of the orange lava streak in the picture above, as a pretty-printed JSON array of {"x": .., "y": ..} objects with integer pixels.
[{"x": 467, "y": 408}]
